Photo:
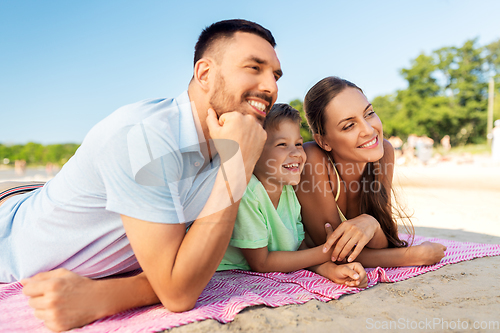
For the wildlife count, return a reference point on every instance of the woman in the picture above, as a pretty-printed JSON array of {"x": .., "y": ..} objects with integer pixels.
[{"x": 349, "y": 175}]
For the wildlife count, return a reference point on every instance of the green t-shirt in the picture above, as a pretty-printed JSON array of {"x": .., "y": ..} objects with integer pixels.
[{"x": 258, "y": 224}]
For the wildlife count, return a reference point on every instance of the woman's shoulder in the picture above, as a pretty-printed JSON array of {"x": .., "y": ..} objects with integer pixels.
[
  {"x": 388, "y": 153},
  {"x": 315, "y": 153}
]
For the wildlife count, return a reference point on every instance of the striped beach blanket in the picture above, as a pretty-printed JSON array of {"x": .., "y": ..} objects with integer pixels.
[{"x": 230, "y": 292}]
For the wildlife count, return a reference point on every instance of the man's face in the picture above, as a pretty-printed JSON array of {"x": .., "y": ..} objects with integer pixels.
[{"x": 245, "y": 79}]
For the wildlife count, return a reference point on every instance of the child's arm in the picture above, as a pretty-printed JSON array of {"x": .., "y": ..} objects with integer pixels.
[{"x": 261, "y": 260}]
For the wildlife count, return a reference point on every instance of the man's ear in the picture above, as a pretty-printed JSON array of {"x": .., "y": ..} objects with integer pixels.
[
  {"x": 203, "y": 70},
  {"x": 321, "y": 142}
]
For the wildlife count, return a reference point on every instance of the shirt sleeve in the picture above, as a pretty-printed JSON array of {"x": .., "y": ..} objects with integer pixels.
[
  {"x": 139, "y": 183},
  {"x": 250, "y": 229},
  {"x": 300, "y": 229}
]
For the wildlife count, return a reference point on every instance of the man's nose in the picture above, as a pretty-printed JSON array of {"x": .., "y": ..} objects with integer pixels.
[{"x": 268, "y": 84}]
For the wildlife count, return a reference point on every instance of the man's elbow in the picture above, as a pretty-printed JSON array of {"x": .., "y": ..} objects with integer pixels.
[{"x": 179, "y": 304}]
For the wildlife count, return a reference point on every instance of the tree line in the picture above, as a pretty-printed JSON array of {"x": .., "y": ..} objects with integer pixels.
[
  {"x": 37, "y": 154},
  {"x": 447, "y": 94}
]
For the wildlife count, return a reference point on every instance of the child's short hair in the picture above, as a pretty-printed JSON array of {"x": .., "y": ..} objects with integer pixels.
[{"x": 279, "y": 112}]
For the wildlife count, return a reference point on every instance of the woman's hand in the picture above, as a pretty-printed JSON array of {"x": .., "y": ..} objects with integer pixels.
[{"x": 351, "y": 235}]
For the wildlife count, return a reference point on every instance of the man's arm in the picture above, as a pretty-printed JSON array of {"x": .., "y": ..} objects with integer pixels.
[
  {"x": 177, "y": 265},
  {"x": 64, "y": 300}
]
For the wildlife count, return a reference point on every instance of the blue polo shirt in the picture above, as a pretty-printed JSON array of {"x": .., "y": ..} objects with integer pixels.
[{"x": 143, "y": 161}]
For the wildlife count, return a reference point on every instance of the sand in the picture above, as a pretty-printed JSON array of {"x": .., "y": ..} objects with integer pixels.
[{"x": 451, "y": 201}]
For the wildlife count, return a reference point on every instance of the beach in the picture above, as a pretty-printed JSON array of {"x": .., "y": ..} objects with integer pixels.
[
  {"x": 453, "y": 200},
  {"x": 456, "y": 200}
]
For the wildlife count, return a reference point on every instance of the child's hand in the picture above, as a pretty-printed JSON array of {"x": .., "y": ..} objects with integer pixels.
[{"x": 352, "y": 274}]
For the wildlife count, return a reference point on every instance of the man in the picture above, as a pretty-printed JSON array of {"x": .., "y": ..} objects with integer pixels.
[{"x": 149, "y": 170}]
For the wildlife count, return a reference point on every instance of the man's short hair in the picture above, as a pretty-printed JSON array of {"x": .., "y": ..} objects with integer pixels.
[
  {"x": 226, "y": 29},
  {"x": 279, "y": 113}
]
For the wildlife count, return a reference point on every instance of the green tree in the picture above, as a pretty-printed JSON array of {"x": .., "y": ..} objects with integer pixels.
[
  {"x": 446, "y": 94},
  {"x": 466, "y": 82},
  {"x": 304, "y": 127}
]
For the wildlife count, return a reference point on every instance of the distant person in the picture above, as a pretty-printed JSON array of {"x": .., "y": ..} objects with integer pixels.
[
  {"x": 347, "y": 181},
  {"x": 49, "y": 169},
  {"x": 495, "y": 144},
  {"x": 409, "y": 149},
  {"x": 268, "y": 232},
  {"x": 20, "y": 167},
  {"x": 423, "y": 148},
  {"x": 141, "y": 177},
  {"x": 397, "y": 144},
  {"x": 445, "y": 143}
]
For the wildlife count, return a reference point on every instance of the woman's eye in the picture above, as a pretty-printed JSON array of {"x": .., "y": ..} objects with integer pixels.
[
  {"x": 370, "y": 113},
  {"x": 348, "y": 126}
]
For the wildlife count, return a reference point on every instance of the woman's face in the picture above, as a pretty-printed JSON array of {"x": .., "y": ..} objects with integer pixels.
[{"x": 353, "y": 130}]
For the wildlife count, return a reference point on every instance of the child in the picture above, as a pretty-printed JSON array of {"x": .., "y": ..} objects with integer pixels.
[{"x": 268, "y": 231}]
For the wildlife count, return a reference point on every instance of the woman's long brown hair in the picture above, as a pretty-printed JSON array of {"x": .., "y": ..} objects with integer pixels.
[{"x": 375, "y": 200}]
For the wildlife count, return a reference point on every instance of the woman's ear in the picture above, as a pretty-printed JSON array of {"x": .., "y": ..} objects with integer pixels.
[
  {"x": 202, "y": 73},
  {"x": 321, "y": 142}
]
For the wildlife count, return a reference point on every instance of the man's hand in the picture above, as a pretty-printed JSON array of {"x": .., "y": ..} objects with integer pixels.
[
  {"x": 245, "y": 130},
  {"x": 62, "y": 299}
]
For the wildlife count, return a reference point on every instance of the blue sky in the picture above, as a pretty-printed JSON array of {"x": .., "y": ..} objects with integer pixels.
[{"x": 65, "y": 65}]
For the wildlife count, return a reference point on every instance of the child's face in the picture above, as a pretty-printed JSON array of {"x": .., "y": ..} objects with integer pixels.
[{"x": 283, "y": 156}]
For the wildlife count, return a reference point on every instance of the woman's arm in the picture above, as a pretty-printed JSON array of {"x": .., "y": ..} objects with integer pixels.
[
  {"x": 427, "y": 253},
  {"x": 316, "y": 190},
  {"x": 315, "y": 194}
]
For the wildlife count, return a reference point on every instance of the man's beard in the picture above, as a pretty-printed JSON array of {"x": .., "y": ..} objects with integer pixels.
[{"x": 223, "y": 101}]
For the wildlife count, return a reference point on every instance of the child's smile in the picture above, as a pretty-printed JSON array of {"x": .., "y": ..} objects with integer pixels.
[{"x": 283, "y": 157}]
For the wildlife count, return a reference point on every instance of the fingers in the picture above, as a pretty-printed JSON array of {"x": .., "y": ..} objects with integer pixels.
[
  {"x": 357, "y": 249},
  {"x": 350, "y": 272},
  {"x": 357, "y": 273},
  {"x": 212, "y": 121},
  {"x": 60, "y": 272},
  {"x": 48, "y": 275},
  {"x": 38, "y": 288},
  {"x": 343, "y": 247},
  {"x": 333, "y": 237},
  {"x": 352, "y": 240},
  {"x": 39, "y": 302},
  {"x": 329, "y": 230}
]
